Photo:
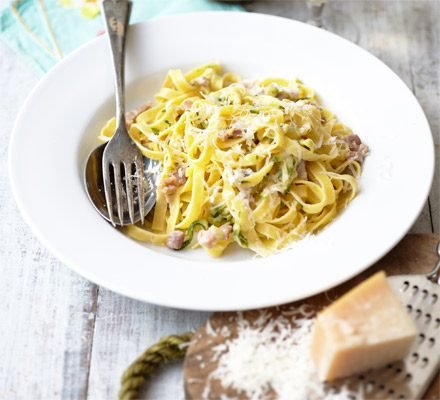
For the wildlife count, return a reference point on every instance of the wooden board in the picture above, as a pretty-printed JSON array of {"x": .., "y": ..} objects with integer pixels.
[{"x": 415, "y": 254}]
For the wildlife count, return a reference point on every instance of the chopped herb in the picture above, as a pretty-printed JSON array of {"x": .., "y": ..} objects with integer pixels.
[
  {"x": 190, "y": 231},
  {"x": 241, "y": 239},
  {"x": 307, "y": 143},
  {"x": 271, "y": 90},
  {"x": 168, "y": 122},
  {"x": 155, "y": 130},
  {"x": 219, "y": 215},
  {"x": 254, "y": 111},
  {"x": 290, "y": 164}
]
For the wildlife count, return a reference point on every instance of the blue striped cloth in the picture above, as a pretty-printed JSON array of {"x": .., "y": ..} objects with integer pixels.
[{"x": 71, "y": 29}]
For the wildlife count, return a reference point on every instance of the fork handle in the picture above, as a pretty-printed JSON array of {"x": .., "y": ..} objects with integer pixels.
[{"x": 116, "y": 16}]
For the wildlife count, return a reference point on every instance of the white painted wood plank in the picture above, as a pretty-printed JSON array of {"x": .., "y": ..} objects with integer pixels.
[
  {"x": 46, "y": 320},
  {"x": 284, "y": 8},
  {"x": 46, "y": 311},
  {"x": 123, "y": 329},
  {"x": 421, "y": 23}
]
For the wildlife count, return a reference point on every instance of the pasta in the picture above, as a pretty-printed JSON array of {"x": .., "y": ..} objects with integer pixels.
[{"x": 259, "y": 163}]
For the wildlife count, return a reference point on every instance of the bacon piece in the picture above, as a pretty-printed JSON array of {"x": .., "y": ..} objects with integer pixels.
[
  {"x": 209, "y": 238},
  {"x": 301, "y": 170},
  {"x": 130, "y": 116},
  {"x": 186, "y": 104},
  {"x": 227, "y": 230},
  {"x": 232, "y": 133},
  {"x": 175, "y": 240},
  {"x": 171, "y": 183},
  {"x": 287, "y": 93},
  {"x": 202, "y": 81},
  {"x": 357, "y": 151}
]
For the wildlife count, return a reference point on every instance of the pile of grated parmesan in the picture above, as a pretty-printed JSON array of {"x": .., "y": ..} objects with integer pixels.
[{"x": 269, "y": 355}]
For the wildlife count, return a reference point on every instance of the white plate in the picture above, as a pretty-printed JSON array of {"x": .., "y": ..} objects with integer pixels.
[{"x": 57, "y": 127}]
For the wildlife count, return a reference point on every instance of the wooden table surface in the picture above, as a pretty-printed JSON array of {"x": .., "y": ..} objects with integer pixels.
[{"x": 62, "y": 337}]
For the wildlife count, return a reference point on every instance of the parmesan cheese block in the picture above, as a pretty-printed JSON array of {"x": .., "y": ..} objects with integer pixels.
[{"x": 366, "y": 328}]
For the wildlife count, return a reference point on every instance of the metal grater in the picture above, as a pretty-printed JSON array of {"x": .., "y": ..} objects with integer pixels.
[{"x": 407, "y": 379}]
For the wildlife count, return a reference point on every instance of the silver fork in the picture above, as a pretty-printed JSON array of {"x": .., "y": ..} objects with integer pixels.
[{"x": 121, "y": 152}]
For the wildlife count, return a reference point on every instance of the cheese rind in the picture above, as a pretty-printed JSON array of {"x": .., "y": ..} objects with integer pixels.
[{"x": 366, "y": 328}]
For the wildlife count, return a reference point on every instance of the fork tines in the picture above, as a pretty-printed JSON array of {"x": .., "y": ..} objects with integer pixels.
[{"x": 124, "y": 182}]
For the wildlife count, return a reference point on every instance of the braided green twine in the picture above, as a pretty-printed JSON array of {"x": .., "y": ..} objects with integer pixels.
[{"x": 169, "y": 348}]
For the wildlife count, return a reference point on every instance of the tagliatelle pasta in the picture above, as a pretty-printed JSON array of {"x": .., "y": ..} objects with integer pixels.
[{"x": 260, "y": 163}]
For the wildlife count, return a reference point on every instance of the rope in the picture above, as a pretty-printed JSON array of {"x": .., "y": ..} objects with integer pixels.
[{"x": 169, "y": 348}]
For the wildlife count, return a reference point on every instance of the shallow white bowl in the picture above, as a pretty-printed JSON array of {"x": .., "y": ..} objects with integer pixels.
[{"x": 57, "y": 127}]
